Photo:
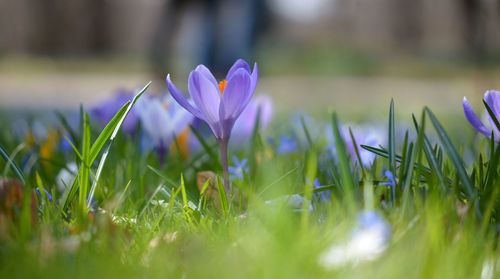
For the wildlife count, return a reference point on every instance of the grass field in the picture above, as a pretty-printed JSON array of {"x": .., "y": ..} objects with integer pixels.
[{"x": 411, "y": 192}]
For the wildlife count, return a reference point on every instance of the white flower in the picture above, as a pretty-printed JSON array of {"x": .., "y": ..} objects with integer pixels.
[
  {"x": 367, "y": 242},
  {"x": 66, "y": 176}
]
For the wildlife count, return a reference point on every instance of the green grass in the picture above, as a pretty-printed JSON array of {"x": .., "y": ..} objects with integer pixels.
[{"x": 153, "y": 221}]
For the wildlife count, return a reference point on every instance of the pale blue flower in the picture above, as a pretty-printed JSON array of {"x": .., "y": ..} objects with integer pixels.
[{"x": 239, "y": 169}]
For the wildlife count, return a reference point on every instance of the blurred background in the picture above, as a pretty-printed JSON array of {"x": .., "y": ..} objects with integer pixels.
[{"x": 351, "y": 56}]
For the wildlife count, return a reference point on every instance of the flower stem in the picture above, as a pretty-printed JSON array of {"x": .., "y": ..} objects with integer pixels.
[{"x": 223, "y": 144}]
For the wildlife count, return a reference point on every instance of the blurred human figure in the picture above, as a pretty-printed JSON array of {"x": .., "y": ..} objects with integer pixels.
[
  {"x": 407, "y": 23},
  {"x": 474, "y": 30},
  {"x": 229, "y": 31}
]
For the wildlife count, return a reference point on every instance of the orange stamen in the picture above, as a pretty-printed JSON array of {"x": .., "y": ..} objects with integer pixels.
[
  {"x": 181, "y": 144},
  {"x": 222, "y": 86}
]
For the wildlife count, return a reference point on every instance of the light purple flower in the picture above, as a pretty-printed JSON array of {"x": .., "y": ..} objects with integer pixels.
[
  {"x": 105, "y": 111},
  {"x": 371, "y": 135},
  {"x": 218, "y": 104},
  {"x": 492, "y": 98},
  {"x": 243, "y": 128},
  {"x": 162, "y": 119}
]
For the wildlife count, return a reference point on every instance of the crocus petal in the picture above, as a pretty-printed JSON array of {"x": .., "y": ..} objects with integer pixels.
[
  {"x": 260, "y": 107},
  {"x": 234, "y": 100},
  {"x": 180, "y": 121},
  {"x": 206, "y": 97},
  {"x": 179, "y": 97},
  {"x": 236, "y": 94},
  {"x": 155, "y": 121},
  {"x": 492, "y": 98},
  {"x": 226, "y": 124},
  {"x": 265, "y": 104},
  {"x": 242, "y": 64},
  {"x": 207, "y": 74},
  {"x": 105, "y": 111},
  {"x": 239, "y": 64},
  {"x": 474, "y": 119},
  {"x": 254, "y": 77}
]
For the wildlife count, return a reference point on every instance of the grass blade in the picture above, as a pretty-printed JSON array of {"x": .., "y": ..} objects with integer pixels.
[
  {"x": 107, "y": 131},
  {"x": 64, "y": 122},
  {"x": 204, "y": 144},
  {"x": 85, "y": 166},
  {"x": 255, "y": 144},
  {"x": 383, "y": 153},
  {"x": 306, "y": 131},
  {"x": 450, "y": 149},
  {"x": 392, "y": 148},
  {"x": 492, "y": 115},
  {"x": 12, "y": 164},
  {"x": 344, "y": 164},
  {"x": 358, "y": 156},
  {"x": 223, "y": 198},
  {"x": 110, "y": 131},
  {"x": 429, "y": 154},
  {"x": 169, "y": 181}
]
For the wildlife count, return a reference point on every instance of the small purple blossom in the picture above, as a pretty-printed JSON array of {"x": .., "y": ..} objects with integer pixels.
[
  {"x": 286, "y": 145},
  {"x": 162, "y": 119},
  {"x": 240, "y": 168},
  {"x": 492, "y": 98},
  {"x": 391, "y": 179},
  {"x": 218, "y": 104},
  {"x": 105, "y": 111},
  {"x": 259, "y": 107}
]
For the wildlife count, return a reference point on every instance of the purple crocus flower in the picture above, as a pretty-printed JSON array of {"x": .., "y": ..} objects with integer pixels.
[
  {"x": 105, "y": 111},
  {"x": 259, "y": 107},
  {"x": 162, "y": 120},
  {"x": 492, "y": 98},
  {"x": 218, "y": 104}
]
